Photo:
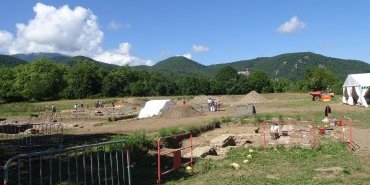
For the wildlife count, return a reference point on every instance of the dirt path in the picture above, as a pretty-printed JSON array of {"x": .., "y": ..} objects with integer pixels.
[
  {"x": 362, "y": 138},
  {"x": 125, "y": 126}
]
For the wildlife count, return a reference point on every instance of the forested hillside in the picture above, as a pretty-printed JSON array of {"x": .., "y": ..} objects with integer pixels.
[
  {"x": 291, "y": 66},
  {"x": 82, "y": 77},
  {"x": 9, "y": 61},
  {"x": 46, "y": 80}
]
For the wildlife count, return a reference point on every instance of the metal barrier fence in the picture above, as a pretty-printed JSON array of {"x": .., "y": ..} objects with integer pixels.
[
  {"x": 347, "y": 133},
  {"x": 178, "y": 159},
  {"x": 102, "y": 163},
  {"x": 31, "y": 135}
]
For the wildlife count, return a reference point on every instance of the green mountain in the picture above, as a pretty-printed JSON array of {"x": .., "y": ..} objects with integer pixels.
[
  {"x": 70, "y": 61},
  {"x": 291, "y": 65},
  {"x": 33, "y": 56},
  {"x": 61, "y": 59},
  {"x": 179, "y": 65},
  {"x": 9, "y": 61}
]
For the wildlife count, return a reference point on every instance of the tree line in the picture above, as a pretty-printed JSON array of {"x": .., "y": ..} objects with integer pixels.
[{"x": 45, "y": 80}]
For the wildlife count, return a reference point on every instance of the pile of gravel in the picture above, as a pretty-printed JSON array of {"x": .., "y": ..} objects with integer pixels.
[
  {"x": 198, "y": 100},
  {"x": 253, "y": 97},
  {"x": 180, "y": 111}
]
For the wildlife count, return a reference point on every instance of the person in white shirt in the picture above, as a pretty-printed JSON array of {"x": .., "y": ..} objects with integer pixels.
[
  {"x": 209, "y": 101},
  {"x": 275, "y": 130}
]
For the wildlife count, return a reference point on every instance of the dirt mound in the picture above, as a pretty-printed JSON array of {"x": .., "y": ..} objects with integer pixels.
[
  {"x": 139, "y": 102},
  {"x": 180, "y": 111},
  {"x": 253, "y": 97},
  {"x": 199, "y": 100}
]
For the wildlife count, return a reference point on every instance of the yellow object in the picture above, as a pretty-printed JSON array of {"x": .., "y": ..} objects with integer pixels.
[
  {"x": 325, "y": 98},
  {"x": 236, "y": 166},
  {"x": 249, "y": 156},
  {"x": 251, "y": 151}
]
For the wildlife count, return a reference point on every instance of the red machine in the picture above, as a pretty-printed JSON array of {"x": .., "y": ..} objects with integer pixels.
[{"x": 320, "y": 95}]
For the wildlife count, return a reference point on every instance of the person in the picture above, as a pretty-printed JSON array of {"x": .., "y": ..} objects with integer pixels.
[
  {"x": 213, "y": 105},
  {"x": 219, "y": 105},
  {"x": 327, "y": 111},
  {"x": 214, "y": 102},
  {"x": 183, "y": 101},
  {"x": 275, "y": 130},
  {"x": 113, "y": 105},
  {"x": 53, "y": 110},
  {"x": 75, "y": 106},
  {"x": 209, "y": 101}
]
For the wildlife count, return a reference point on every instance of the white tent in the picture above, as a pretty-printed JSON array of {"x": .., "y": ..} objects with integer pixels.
[
  {"x": 356, "y": 89},
  {"x": 155, "y": 107}
]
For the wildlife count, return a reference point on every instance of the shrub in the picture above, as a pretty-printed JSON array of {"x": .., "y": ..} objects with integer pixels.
[{"x": 258, "y": 119}]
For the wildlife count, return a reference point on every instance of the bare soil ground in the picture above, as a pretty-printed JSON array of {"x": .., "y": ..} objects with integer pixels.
[
  {"x": 295, "y": 105},
  {"x": 150, "y": 124}
]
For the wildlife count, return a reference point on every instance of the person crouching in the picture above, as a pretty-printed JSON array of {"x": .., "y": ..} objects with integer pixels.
[{"x": 275, "y": 130}]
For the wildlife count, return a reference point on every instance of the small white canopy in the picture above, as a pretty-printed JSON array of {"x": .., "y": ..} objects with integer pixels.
[
  {"x": 155, "y": 107},
  {"x": 356, "y": 89}
]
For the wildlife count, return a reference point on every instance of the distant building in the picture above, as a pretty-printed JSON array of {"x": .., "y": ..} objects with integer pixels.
[{"x": 245, "y": 72}]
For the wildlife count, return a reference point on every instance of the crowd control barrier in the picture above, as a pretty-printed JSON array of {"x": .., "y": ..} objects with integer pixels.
[
  {"x": 100, "y": 164},
  {"x": 176, "y": 154}
]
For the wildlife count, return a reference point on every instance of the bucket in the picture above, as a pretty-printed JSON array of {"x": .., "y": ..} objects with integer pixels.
[
  {"x": 321, "y": 131},
  {"x": 338, "y": 123}
]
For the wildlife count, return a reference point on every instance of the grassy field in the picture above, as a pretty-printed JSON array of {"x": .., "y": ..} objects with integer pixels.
[{"x": 280, "y": 166}]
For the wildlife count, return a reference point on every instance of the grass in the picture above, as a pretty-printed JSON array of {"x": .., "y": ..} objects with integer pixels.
[
  {"x": 280, "y": 166},
  {"x": 301, "y": 107}
]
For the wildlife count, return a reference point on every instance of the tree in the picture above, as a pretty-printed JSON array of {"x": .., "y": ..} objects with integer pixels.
[
  {"x": 281, "y": 85},
  {"x": 260, "y": 81},
  {"x": 84, "y": 79},
  {"x": 7, "y": 88},
  {"x": 227, "y": 78},
  {"x": 193, "y": 85},
  {"x": 116, "y": 83},
  {"x": 320, "y": 78},
  {"x": 40, "y": 80}
]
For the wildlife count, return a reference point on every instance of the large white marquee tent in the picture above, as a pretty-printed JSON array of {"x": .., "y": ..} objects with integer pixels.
[
  {"x": 356, "y": 89},
  {"x": 155, "y": 107}
]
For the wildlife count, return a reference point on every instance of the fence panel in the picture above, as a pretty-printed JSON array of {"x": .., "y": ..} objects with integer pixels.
[
  {"x": 31, "y": 134},
  {"x": 346, "y": 124},
  {"x": 102, "y": 163},
  {"x": 176, "y": 154}
]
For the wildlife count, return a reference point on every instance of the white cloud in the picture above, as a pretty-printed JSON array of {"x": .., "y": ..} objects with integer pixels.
[
  {"x": 6, "y": 39},
  {"x": 66, "y": 31},
  {"x": 200, "y": 48},
  {"x": 187, "y": 55},
  {"x": 165, "y": 53},
  {"x": 291, "y": 26},
  {"x": 121, "y": 56},
  {"x": 114, "y": 25}
]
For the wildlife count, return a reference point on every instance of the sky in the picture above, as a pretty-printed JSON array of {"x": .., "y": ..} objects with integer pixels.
[{"x": 210, "y": 32}]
